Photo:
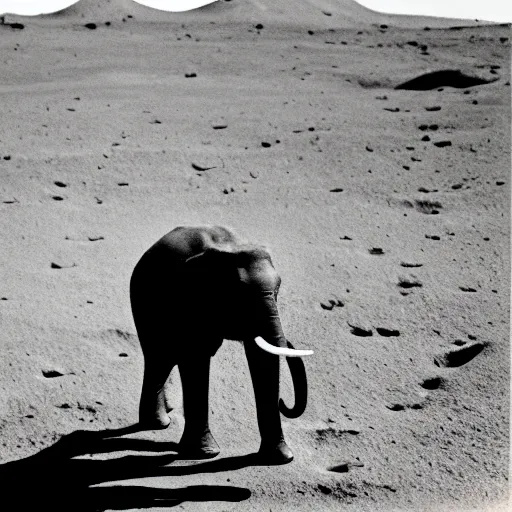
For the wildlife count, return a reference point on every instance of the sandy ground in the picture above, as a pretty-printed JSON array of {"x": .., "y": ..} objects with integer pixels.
[{"x": 387, "y": 212}]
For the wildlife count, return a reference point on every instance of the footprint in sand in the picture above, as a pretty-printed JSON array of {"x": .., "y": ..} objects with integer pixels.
[
  {"x": 459, "y": 356},
  {"x": 423, "y": 206},
  {"x": 325, "y": 434}
]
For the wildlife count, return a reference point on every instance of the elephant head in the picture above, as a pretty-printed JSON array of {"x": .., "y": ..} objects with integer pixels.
[{"x": 253, "y": 283}]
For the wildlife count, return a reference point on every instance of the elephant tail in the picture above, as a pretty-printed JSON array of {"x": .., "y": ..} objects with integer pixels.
[{"x": 300, "y": 386}]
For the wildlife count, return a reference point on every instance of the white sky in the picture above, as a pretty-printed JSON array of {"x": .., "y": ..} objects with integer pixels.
[{"x": 489, "y": 10}]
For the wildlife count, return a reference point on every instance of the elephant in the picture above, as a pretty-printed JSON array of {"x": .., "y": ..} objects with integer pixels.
[{"x": 194, "y": 288}]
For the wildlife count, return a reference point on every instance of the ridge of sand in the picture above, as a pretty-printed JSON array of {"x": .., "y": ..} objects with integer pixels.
[{"x": 319, "y": 13}]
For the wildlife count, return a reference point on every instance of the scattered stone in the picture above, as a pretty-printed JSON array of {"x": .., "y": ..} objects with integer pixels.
[
  {"x": 332, "y": 304},
  {"x": 201, "y": 167},
  {"x": 433, "y": 109},
  {"x": 266, "y": 144},
  {"x": 443, "y": 143},
  {"x": 387, "y": 332},
  {"x": 396, "y": 109},
  {"x": 51, "y": 374},
  {"x": 410, "y": 265},
  {"x": 460, "y": 355},
  {"x": 219, "y": 126},
  {"x": 395, "y": 407},
  {"x": 376, "y": 250},
  {"x": 425, "y": 138},
  {"x": 90, "y": 26},
  {"x": 345, "y": 466},
  {"x": 190, "y": 75},
  {"x": 360, "y": 331},
  {"x": 336, "y": 190},
  {"x": 62, "y": 265},
  {"x": 409, "y": 283},
  {"x": 432, "y": 383}
]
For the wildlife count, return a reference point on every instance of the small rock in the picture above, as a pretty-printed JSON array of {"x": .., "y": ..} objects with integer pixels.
[
  {"x": 201, "y": 167},
  {"x": 443, "y": 143},
  {"x": 51, "y": 374},
  {"x": 62, "y": 265}
]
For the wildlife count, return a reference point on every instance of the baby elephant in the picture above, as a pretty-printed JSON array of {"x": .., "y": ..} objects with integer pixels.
[{"x": 191, "y": 290}]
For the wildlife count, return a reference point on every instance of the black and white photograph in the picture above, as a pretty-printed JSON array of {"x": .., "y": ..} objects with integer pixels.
[{"x": 255, "y": 255}]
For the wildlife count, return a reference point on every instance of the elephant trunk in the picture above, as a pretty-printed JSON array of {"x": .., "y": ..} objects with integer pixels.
[{"x": 270, "y": 328}]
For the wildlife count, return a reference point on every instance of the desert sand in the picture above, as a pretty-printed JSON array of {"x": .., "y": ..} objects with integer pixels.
[{"x": 386, "y": 210}]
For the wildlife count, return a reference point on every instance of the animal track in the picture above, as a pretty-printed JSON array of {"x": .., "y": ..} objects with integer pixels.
[
  {"x": 323, "y": 434},
  {"x": 428, "y": 207},
  {"x": 460, "y": 356},
  {"x": 331, "y": 304},
  {"x": 423, "y": 205},
  {"x": 444, "y": 78}
]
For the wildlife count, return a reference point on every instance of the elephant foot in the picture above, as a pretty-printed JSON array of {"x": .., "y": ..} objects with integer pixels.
[
  {"x": 273, "y": 454},
  {"x": 198, "y": 447},
  {"x": 159, "y": 423}
]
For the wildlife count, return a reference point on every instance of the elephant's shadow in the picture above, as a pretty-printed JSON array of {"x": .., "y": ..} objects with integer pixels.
[{"x": 54, "y": 480}]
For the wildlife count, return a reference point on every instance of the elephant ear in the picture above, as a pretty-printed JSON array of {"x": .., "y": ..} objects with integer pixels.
[{"x": 211, "y": 260}]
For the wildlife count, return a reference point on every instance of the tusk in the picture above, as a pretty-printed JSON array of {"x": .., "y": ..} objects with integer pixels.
[{"x": 281, "y": 351}]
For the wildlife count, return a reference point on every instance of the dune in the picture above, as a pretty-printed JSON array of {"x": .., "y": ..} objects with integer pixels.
[{"x": 370, "y": 153}]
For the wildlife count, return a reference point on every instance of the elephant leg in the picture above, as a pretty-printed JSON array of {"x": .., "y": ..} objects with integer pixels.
[
  {"x": 152, "y": 408},
  {"x": 197, "y": 442},
  {"x": 264, "y": 369}
]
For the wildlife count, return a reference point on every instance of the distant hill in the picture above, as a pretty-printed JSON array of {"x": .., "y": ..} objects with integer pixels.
[{"x": 317, "y": 13}]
